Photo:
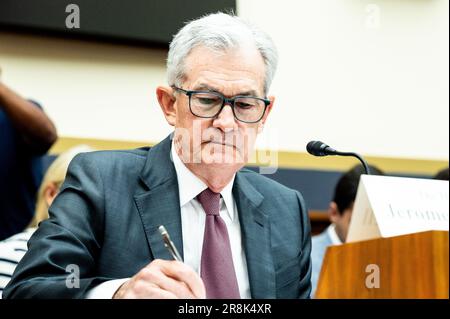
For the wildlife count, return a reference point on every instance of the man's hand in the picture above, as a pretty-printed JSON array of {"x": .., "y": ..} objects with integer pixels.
[{"x": 163, "y": 279}]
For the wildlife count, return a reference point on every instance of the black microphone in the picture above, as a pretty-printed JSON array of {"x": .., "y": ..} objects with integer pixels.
[{"x": 318, "y": 148}]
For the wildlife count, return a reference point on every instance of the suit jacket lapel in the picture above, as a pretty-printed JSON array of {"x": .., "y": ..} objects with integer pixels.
[
  {"x": 159, "y": 204},
  {"x": 255, "y": 228}
]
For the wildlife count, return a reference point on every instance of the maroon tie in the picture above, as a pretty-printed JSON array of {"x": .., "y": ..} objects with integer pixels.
[{"x": 217, "y": 270}]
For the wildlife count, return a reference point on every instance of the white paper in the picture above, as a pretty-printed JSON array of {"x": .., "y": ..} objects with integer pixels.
[{"x": 392, "y": 206}]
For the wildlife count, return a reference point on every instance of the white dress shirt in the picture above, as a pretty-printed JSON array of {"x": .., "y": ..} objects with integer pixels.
[{"x": 193, "y": 225}]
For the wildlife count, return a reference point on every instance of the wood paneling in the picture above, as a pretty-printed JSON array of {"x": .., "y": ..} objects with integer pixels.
[{"x": 411, "y": 266}]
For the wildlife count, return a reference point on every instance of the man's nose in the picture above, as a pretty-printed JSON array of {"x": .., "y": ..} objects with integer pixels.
[{"x": 225, "y": 120}]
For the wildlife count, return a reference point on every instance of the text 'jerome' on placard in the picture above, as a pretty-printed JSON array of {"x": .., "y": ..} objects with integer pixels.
[{"x": 392, "y": 206}]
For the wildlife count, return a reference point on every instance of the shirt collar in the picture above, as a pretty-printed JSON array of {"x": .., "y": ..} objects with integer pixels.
[
  {"x": 331, "y": 230},
  {"x": 189, "y": 185}
]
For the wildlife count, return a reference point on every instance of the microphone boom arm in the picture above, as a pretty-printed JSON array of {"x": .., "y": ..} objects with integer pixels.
[{"x": 363, "y": 162}]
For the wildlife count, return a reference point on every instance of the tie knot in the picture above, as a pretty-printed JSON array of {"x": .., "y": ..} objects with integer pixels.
[{"x": 210, "y": 201}]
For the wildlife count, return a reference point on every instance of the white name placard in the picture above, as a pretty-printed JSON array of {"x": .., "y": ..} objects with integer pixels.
[{"x": 392, "y": 206}]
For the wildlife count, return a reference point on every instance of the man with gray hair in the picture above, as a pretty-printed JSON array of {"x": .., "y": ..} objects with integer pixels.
[{"x": 240, "y": 234}]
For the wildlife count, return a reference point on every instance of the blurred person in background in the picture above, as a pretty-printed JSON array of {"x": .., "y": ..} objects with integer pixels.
[
  {"x": 13, "y": 248},
  {"x": 26, "y": 133},
  {"x": 340, "y": 213},
  {"x": 442, "y": 175}
]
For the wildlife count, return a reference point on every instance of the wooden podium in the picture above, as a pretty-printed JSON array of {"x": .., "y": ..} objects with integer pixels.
[{"x": 410, "y": 266}]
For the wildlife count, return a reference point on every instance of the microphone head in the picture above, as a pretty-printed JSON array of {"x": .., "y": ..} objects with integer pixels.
[{"x": 318, "y": 148}]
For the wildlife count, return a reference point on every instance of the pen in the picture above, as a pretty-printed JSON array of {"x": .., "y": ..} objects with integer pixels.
[{"x": 169, "y": 244}]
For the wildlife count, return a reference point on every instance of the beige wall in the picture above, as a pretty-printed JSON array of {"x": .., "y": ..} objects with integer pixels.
[
  {"x": 90, "y": 90},
  {"x": 379, "y": 90}
]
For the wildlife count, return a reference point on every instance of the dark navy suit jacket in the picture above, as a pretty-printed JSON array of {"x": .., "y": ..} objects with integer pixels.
[{"x": 105, "y": 220}]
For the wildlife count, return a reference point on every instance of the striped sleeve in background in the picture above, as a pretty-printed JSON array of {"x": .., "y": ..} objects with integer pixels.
[{"x": 11, "y": 252}]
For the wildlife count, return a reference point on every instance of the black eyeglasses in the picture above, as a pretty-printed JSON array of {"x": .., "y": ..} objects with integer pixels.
[{"x": 208, "y": 104}]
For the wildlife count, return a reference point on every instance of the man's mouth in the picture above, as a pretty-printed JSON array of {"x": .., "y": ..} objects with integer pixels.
[{"x": 221, "y": 143}]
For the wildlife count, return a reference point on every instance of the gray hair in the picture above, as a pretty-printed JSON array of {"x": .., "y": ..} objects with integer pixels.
[{"x": 219, "y": 32}]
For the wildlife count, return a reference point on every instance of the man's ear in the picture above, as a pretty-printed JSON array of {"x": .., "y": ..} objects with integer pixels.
[
  {"x": 50, "y": 192},
  {"x": 266, "y": 114},
  {"x": 167, "y": 101},
  {"x": 333, "y": 212}
]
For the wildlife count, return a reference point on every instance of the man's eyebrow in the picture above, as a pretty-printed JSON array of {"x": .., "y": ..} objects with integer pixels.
[
  {"x": 248, "y": 93},
  {"x": 206, "y": 87}
]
